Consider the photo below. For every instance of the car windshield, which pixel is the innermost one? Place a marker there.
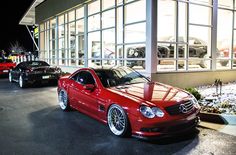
(5, 61)
(37, 63)
(119, 76)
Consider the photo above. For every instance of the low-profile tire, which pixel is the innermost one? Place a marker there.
(22, 82)
(10, 77)
(118, 121)
(63, 100)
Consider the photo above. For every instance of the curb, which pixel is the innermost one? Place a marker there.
(218, 118)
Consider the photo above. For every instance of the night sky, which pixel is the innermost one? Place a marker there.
(11, 13)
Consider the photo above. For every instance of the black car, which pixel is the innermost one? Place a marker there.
(34, 72)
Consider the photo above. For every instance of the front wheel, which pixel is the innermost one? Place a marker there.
(63, 100)
(22, 82)
(118, 121)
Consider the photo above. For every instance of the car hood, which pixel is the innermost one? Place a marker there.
(153, 93)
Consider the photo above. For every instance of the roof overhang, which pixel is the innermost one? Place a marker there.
(29, 16)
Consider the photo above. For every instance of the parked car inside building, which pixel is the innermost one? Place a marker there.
(34, 72)
(197, 49)
(128, 102)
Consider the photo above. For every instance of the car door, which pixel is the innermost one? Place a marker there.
(84, 100)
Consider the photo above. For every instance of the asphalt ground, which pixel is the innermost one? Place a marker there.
(31, 122)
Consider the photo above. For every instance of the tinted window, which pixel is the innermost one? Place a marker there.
(84, 77)
(119, 76)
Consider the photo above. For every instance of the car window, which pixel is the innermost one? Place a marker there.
(84, 77)
(119, 76)
(37, 63)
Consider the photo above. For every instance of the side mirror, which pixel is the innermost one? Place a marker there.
(89, 87)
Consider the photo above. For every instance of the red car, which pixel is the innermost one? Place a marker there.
(129, 102)
(6, 65)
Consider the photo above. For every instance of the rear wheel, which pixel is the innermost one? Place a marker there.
(10, 77)
(63, 100)
(118, 121)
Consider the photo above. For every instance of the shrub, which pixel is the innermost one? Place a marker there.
(194, 92)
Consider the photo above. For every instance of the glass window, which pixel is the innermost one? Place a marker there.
(135, 51)
(182, 22)
(80, 27)
(120, 25)
(84, 77)
(94, 22)
(80, 13)
(72, 16)
(166, 19)
(135, 11)
(107, 4)
(72, 34)
(224, 33)
(199, 14)
(108, 19)
(61, 20)
(94, 7)
(225, 3)
(61, 43)
(53, 23)
(61, 31)
(94, 48)
(72, 57)
(108, 46)
(199, 47)
(202, 1)
(62, 57)
(80, 49)
(135, 33)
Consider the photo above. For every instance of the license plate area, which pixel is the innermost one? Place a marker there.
(5, 71)
(46, 77)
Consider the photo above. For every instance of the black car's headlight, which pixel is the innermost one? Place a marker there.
(151, 112)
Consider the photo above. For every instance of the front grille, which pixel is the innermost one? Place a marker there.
(181, 108)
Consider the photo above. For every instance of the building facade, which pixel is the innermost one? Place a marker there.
(180, 42)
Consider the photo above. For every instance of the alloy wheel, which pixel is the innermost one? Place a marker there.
(62, 97)
(21, 82)
(10, 77)
(117, 120)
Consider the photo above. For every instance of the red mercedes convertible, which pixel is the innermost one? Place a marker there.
(129, 102)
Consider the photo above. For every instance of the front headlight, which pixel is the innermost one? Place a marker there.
(158, 112)
(151, 112)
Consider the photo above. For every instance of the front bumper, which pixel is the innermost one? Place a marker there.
(44, 77)
(163, 127)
